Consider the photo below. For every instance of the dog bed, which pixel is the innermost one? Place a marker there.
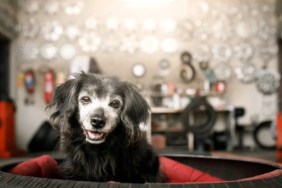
(182, 170)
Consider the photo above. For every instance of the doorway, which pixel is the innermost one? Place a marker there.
(4, 67)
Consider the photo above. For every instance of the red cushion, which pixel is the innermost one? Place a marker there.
(47, 167)
(43, 166)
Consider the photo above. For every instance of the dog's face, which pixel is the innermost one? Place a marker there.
(98, 105)
(99, 114)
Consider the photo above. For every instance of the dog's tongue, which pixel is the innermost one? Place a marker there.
(95, 135)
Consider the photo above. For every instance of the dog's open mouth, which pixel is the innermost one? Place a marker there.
(95, 137)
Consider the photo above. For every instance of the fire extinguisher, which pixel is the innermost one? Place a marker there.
(49, 85)
(29, 83)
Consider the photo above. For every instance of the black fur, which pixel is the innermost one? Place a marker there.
(125, 156)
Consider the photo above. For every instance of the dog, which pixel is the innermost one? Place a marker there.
(98, 119)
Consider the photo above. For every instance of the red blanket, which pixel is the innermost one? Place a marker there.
(45, 166)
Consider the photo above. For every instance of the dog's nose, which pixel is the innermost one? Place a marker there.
(98, 122)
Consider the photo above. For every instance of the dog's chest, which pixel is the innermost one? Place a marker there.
(108, 167)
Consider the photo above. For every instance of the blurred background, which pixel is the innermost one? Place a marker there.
(210, 69)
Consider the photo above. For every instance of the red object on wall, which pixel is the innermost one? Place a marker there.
(279, 137)
(49, 85)
(220, 87)
(7, 129)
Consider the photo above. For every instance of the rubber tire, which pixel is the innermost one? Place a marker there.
(201, 131)
(251, 168)
(258, 128)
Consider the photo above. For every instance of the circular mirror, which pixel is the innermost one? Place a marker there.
(164, 64)
(138, 70)
(268, 82)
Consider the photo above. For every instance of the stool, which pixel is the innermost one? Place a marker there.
(240, 129)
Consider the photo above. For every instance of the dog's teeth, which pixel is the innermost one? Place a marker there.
(95, 135)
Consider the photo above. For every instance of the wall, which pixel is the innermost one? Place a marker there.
(218, 25)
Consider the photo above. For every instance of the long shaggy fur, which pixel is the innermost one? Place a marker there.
(125, 155)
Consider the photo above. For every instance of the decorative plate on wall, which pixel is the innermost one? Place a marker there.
(51, 7)
(67, 51)
(52, 31)
(29, 6)
(246, 28)
(266, 30)
(164, 64)
(72, 7)
(243, 51)
(149, 44)
(221, 28)
(202, 30)
(89, 42)
(202, 52)
(164, 67)
(149, 25)
(138, 70)
(268, 81)
(110, 43)
(129, 44)
(48, 51)
(222, 71)
(129, 25)
(168, 26)
(169, 45)
(72, 31)
(112, 24)
(267, 52)
(27, 51)
(221, 52)
(30, 28)
(246, 72)
(185, 29)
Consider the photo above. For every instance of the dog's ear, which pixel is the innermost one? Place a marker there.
(135, 111)
(63, 104)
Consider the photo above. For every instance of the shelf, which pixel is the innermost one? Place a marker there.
(169, 129)
(164, 110)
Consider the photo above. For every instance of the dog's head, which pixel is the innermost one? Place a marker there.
(98, 105)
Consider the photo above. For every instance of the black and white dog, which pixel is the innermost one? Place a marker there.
(98, 119)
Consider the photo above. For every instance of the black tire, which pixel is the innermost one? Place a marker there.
(263, 126)
(202, 130)
(237, 169)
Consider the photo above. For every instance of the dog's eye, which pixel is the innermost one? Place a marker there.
(85, 100)
(115, 104)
